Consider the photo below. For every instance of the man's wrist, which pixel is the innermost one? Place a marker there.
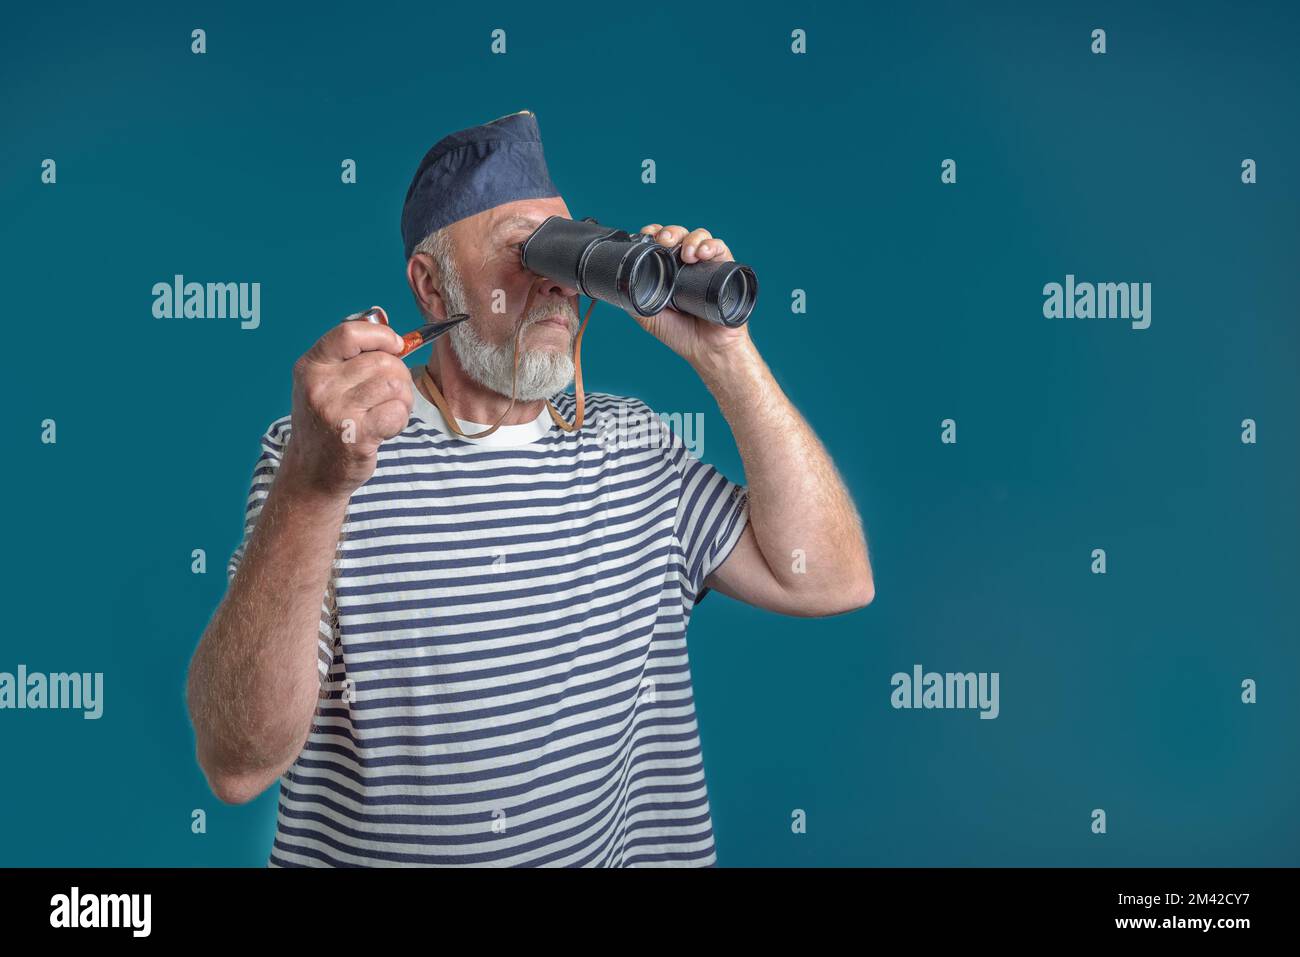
(734, 367)
(295, 487)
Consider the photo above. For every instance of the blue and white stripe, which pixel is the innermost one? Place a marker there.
(505, 678)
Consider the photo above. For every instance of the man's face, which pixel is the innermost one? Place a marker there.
(488, 250)
(494, 285)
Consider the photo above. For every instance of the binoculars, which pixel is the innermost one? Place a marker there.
(637, 274)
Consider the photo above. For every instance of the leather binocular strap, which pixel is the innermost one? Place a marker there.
(434, 395)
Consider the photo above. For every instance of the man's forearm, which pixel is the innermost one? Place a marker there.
(797, 500)
(254, 681)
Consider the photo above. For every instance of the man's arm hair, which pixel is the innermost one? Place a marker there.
(798, 503)
(254, 681)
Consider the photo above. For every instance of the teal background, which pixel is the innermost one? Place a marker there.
(1119, 692)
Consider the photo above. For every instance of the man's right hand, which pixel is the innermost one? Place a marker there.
(351, 392)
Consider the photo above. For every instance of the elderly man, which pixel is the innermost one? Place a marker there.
(454, 644)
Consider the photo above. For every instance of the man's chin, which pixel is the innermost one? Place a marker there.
(536, 384)
(549, 337)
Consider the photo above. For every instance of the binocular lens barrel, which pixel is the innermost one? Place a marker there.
(724, 293)
(637, 274)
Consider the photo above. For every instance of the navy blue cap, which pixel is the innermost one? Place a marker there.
(473, 170)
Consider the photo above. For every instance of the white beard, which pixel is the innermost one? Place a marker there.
(541, 373)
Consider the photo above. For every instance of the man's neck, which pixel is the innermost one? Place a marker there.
(470, 401)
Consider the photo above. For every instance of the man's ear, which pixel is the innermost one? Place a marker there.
(426, 285)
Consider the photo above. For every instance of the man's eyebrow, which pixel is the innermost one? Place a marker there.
(515, 222)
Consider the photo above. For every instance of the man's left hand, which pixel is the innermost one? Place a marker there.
(694, 339)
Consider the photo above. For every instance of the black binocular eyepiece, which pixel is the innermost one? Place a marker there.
(637, 274)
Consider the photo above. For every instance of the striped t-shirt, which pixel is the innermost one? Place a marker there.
(503, 653)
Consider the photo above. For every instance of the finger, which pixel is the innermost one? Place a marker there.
(368, 365)
(349, 339)
(378, 389)
(670, 235)
(386, 420)
(651, 229)
(714, 250)
(691, 244)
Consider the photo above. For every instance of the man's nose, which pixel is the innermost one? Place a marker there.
(548, 286)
